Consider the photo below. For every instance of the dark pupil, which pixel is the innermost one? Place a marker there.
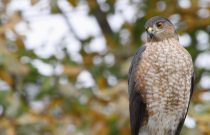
(159, 24)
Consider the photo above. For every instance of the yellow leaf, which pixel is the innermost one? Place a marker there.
(6, 77)
(73, 2)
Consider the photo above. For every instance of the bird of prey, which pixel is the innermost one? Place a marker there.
(160, 82)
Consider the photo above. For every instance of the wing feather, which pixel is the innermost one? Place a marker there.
(136, 105)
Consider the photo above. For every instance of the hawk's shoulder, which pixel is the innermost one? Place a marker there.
(133, 67)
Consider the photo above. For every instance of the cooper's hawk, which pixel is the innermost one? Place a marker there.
(160, 82)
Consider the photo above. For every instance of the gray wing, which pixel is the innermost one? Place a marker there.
(136, 105)
(179, 128)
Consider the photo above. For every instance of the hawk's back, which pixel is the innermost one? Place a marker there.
(163, 77)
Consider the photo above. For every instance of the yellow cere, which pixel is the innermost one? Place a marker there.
(150, 29)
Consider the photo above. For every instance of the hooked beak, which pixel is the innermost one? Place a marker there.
(150, 31)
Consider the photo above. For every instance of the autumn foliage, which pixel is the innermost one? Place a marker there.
(57, 103)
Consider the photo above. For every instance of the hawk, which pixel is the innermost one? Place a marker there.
(160, 82)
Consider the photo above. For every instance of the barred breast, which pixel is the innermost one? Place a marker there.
(165, 72)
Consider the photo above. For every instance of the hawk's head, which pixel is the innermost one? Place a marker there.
(159, 28)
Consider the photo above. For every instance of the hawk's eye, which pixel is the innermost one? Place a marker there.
(159, 24)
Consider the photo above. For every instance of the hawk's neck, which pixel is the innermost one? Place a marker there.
(168, 41)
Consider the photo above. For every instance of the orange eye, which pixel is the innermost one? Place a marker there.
(159, 24)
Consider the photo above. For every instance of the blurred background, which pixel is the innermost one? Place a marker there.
(64, 63)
